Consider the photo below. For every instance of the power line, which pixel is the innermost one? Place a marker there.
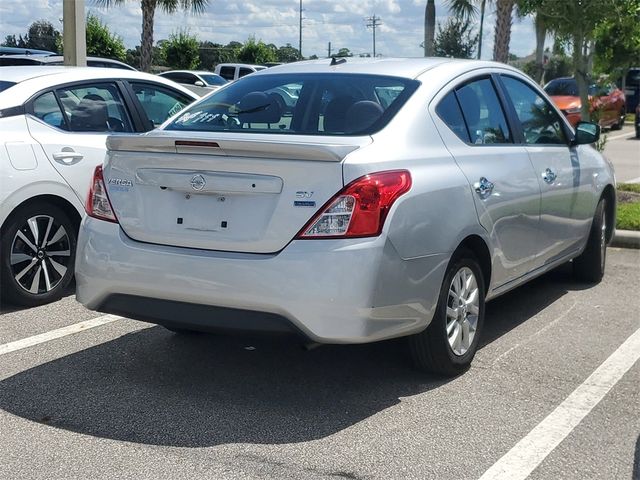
(373, 23)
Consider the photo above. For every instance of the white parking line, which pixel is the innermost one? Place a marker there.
(529, 452)
(622, 135)
(58, 333)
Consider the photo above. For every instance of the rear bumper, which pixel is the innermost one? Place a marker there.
(332, 291)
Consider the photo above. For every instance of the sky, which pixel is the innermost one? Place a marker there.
(343, 23)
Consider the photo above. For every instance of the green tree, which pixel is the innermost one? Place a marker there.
(344, 52)
(41, 36)
(148, 13)
(288, 54)
(467, 11)
(455, 39)
(101, 42)
(578, 21)
(181, 51)
(10, 41)
(256, 52)
(618, 42)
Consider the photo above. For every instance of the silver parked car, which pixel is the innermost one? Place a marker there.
(393, 199)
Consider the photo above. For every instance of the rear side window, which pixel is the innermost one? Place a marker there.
(46, 108)
(244, 71)
(4, 85)
(449, 111)
(227, 72)
(305, 104)
(482, 113)
(95, 108)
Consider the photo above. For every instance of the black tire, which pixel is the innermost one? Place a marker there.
(638, 132)
(51, 275)
(590, 265)
(620, 122)
(430, 349)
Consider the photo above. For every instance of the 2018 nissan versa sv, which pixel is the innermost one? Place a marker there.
(393, 199)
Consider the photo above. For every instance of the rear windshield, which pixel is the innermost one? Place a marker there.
(302, 104)
(213, 79)
(4, 85)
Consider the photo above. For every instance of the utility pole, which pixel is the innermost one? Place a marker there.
(300, 42)
(329, 50)
(374, 22)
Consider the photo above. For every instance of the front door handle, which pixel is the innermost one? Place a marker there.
(483, 187)
(549, 176)
(68, 156)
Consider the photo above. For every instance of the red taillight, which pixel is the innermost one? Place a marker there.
(98, 203)
(360, 208)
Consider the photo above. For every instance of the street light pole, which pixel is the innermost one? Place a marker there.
(300, 40)
(74, 38)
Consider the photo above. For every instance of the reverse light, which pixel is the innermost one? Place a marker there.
(98, 203)
(360, 208)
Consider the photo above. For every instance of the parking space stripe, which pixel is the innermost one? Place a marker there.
(529, 452)
(58, 333)
(622, 135)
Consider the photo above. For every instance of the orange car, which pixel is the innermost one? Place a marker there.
(607, 98)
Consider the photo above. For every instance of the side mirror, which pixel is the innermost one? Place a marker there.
(199, 83)
(586, 133)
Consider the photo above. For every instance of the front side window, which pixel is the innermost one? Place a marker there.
(95, 108)
(482, 112)
(46, 108)
(159, 103)
(540, 123)
(305, 104)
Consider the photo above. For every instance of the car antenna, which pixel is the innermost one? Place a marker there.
(337, 62)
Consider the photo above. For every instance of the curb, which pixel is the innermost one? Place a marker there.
(626, 239)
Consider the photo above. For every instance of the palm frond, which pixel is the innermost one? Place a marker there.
(107, 3)
(463, 9)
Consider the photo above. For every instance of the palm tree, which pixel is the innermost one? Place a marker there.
(504, 12)
(429, 28)
(148, 12)
(466, 10)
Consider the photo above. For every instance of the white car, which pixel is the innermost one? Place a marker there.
(53, 125)
(200, 82)
(234, 71)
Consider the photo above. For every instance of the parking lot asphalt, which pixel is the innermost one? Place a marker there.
(623, 150)
(129, 400)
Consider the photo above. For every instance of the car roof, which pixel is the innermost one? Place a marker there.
(49, 58)
(196, 72)
(396, 67)
(250, 65)
(32, 78)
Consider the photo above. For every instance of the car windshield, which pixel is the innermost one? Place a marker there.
(302, 104)
(4, 85)
(213, 79)
(567, 87)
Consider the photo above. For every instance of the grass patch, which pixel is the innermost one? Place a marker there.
(628, 213)
(629, 187)
(630, 117)
(628, 216)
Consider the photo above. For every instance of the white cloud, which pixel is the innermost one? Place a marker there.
(276, 21)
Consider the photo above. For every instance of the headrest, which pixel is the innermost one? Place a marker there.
(258, 107)
(361, 115)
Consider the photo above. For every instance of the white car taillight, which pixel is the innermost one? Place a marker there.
(360, 208)
(98, 203)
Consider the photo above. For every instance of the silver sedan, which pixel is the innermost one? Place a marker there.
(393, 198)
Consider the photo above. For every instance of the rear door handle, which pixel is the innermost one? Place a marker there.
(549, 176)
(67, 156)
(483, 187)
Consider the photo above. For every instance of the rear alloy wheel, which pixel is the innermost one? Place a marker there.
(449, 343)
(590, 265)
(37, 255)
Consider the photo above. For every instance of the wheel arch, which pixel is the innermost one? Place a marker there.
(476, 245)
(65, 205)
